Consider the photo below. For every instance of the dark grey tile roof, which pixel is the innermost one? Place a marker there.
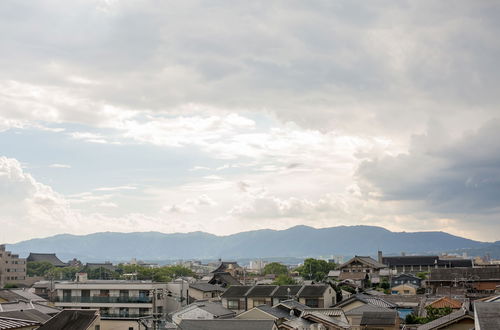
(366, 308)
(230, 324)
(399, 261)
(487, 315)
(12, 323)
(27, 314)
(214, 308)
(262, 291)
(455, 263)
(236, 291)
(206, 287)
(276, 312)
(364, 259)
(485, 274)
(23, 304)
(8, 295)
(322, 318)
(71, 319)
(292, 304)
(450, 318)
(379, 318)
(372, 300)
(283, 292)
(224, 278)
(313, 290)
(49, 257)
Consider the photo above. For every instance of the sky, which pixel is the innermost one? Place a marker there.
(229, 116)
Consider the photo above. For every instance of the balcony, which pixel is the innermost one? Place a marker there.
(106, 300)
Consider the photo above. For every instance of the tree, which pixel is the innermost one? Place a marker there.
(275, 268)
(284, 279)
(38, 268)
(422, 275)
(315, 269)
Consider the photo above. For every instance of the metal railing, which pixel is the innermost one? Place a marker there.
(106, 300)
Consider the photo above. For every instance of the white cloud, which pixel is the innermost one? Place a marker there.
(59, 166)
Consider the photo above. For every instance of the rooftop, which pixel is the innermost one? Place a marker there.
(71, 319)
(229, 324)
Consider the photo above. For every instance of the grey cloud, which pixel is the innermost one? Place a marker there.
(360, 66)
(457, 176)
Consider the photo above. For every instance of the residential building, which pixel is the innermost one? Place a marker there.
(205, 310)
(406, 279)
(244, 297)
(12, 268)
(406, 289)
(205, 291)
(119, 300)
(360, 270)
(388, 320)
(46, 257)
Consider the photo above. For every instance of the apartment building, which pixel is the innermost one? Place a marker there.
(12, 268)
(117, 300)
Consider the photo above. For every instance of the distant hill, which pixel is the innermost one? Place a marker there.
(299, 241)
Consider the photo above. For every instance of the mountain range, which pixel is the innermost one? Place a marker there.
(299, 241)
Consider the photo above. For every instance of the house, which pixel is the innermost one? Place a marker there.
(404, 289)
(445, 302)
(460, 319)
(46, 257)
(360, 299)
(17, 324)
(355, 315)
(230, 324)
(74, 319)
(486, 315)
(204, 291)
(477, 280)
(12, 268)
(244, 297)
(205, 310)
(121, 301)
(360, 269)
(265, 312)
(406, 279)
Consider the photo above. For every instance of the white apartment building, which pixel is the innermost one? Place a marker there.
(12, 268)
(117, 300)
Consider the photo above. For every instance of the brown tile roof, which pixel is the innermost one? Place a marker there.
(446, 302)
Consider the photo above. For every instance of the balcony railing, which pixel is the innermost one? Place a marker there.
(124, 316)
(106, 300)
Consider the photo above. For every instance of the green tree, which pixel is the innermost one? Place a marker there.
(435, 313)
(315, 269)
(275, 268)
(422, 275)
(38, 268)
(284, 279)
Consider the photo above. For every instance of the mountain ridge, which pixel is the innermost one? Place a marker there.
(291, 242)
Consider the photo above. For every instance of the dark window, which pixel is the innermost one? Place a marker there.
(314, 303)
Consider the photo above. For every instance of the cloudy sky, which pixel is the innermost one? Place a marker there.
(227, 116)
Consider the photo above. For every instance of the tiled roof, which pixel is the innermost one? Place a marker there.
(313, 290)
(292, 304)
(9, 295)
(214, 308)
(447, 319)
(364, 259)
(332, 312)
(372, 300)
(472, 274)
(366, 308)
(282, 290)
(236, 291)
(229, 324)
(379, 318)
(322, 318)
(225, 278)
(276, 312)
(49, 257)
(206, 287)
(23, 304)
(446, 302)
(261, 291)
(27, 314)
(12, 323)
(487, 315)
(399, 261)
(71, 319)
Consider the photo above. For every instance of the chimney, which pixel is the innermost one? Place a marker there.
(380, 257)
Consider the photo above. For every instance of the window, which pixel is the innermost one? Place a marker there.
(123, 311)
(97, 327)
(233, 304)
(314, 303)
(258, 302)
